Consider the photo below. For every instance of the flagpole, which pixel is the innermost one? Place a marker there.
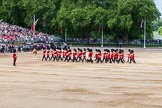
(66, 35)
(144, 46)
(34, 23)
(102, 28)
(102, 36)
(34, 19)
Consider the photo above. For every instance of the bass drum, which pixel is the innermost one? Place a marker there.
(87, 57)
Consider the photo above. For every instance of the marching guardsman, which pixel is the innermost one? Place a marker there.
(121, 56)
(132, 57)
(59, 53)
(98, 56)
(112, 55)
(14, 57)
(44, 54)
(48, 55)
(104, 55)
(89, 55)
(115, 54)
(129, 51)
(68, 56)
(65, 53)
(84, 55)
(79, 56)
(54, 54)
(108, 57)
(74, 55)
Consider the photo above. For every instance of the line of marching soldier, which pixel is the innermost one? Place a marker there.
(87, 55)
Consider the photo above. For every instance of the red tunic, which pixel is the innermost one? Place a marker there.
(55, 53)
(59, 53)
(108, 55)
(104, 54)
(115, 55)
(132, 56)
(69, 54)
(14, 56)
(121, 56)
(80, 54)
(90, 54)
(65, 53)
(84, 53)
(98, 55)
(44, 52)
(74, 54)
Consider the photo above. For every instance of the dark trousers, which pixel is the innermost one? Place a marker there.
(98, 60)
(44, 57)
(74, 59)
(115, 60)
(132, 60)
(108, 60)
(67, 58)
(84, 58)
(89, 60)
(48, 57)
(104, 59)
(121, 60)
(14, 62)
(59, 58)
(54, 58)
(51, 57)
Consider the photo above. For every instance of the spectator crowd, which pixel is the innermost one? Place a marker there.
(10, 33)
(27, 39)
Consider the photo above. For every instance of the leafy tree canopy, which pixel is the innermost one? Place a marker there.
(120, 18)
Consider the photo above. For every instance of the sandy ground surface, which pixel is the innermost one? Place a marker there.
(47, 84)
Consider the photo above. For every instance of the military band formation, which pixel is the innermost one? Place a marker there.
(88, 55)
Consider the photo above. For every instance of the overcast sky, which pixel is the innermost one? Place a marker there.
(159, 5)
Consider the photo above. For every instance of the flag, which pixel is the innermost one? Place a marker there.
(60, 29)
(33, 27)
(34, 24)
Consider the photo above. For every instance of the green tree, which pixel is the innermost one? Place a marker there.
(10, 11)
(43, 10)
(121, 18)
(156, 24)
(127, 15)
(160, 31)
